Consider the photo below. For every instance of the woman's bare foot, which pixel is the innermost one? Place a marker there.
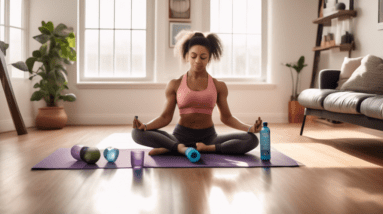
(158, 151)
(201, 147)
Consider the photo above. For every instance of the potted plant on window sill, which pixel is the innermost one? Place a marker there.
(57, 47)
(296, 111)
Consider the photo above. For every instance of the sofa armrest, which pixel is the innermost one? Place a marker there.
(328, 78)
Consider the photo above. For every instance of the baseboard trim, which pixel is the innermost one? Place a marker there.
(125, 119)
(8, 125)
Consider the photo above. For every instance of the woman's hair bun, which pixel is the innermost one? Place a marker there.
(198, 34)
(187, 38)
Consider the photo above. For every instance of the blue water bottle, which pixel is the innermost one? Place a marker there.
(265, 142)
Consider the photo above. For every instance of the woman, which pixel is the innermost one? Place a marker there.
(196, 94)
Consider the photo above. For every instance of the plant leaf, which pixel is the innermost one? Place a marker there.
(62, 30)
(43, 49)
(21, 66)
(36, 85)
(60, 67)
(43, 75)
(73, 54)
(301, 61)
(72, 42)
(30, 63)
(61, 76)
(37, 95)
(69, 97)
(66, 61)
(45, 31)
(42, 38)
(31, 77)
(4, 46)
(49, 26)
(36, 54)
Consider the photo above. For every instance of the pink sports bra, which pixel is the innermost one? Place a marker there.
(190, 101)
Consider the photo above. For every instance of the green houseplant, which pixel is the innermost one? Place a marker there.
(296, 111)
(298, 68)
(57, 47)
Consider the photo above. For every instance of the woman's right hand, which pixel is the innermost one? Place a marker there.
(138, 125)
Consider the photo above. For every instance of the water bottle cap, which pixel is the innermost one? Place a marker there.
(264, 123)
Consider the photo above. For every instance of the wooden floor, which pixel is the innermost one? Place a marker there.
(342, 174)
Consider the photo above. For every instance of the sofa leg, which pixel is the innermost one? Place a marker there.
(303, 123)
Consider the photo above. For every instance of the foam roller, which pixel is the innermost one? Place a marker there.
(192, 154)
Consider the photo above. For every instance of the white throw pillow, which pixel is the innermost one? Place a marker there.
(368, 77)
(348, 67)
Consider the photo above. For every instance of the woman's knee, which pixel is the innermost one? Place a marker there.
(252, 142)
(137, 135)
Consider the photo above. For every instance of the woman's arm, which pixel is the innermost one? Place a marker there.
(235, 123)
(224, 110)
(170, 105)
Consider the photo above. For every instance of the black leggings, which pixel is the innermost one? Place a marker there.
(234, 143)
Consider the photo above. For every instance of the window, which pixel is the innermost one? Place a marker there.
(242, 30)
(13, 32)
(116, 37)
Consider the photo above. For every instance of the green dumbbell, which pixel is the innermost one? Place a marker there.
(87, 154)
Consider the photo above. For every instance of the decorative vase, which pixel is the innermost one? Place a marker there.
(51, 118)
(296, 112)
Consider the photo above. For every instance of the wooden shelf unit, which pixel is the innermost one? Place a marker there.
(341, 14)
(326, 21)
(342, 47)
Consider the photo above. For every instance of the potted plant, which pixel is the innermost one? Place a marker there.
(296, 110)
(57, 47)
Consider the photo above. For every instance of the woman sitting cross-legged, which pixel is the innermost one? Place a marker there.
(196, 93)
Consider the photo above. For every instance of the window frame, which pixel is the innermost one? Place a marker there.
(264, 51)
(24, 36)
(81, 79)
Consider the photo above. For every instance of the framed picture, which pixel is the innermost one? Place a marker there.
(179, 9)
(175, 28)
(380, 15)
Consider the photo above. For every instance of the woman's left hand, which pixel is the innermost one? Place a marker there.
(257, 127)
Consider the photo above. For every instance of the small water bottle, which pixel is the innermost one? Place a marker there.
(265, 142)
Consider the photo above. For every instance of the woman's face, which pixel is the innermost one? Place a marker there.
(198, 57)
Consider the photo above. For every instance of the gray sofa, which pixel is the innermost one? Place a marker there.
(357, 108)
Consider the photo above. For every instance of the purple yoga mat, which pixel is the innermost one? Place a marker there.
(62, 159)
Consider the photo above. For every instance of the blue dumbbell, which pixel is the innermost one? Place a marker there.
(111, 154)
(192, 154)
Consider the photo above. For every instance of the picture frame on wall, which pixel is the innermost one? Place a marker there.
(380, 15)
(179, 9)
(175, 28)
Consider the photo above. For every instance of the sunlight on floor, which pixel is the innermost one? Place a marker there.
(333, 134)
(221, 203)
(321, 156)
(120, 141)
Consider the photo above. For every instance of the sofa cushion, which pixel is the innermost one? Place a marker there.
(345, 102)
(372, 107)
(368, 77)
(348, 67)
(313, 97)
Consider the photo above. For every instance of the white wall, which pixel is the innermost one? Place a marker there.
(368, 39)
(291, 34)
(22, 92)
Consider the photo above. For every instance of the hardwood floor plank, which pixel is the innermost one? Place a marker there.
(342, 174)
